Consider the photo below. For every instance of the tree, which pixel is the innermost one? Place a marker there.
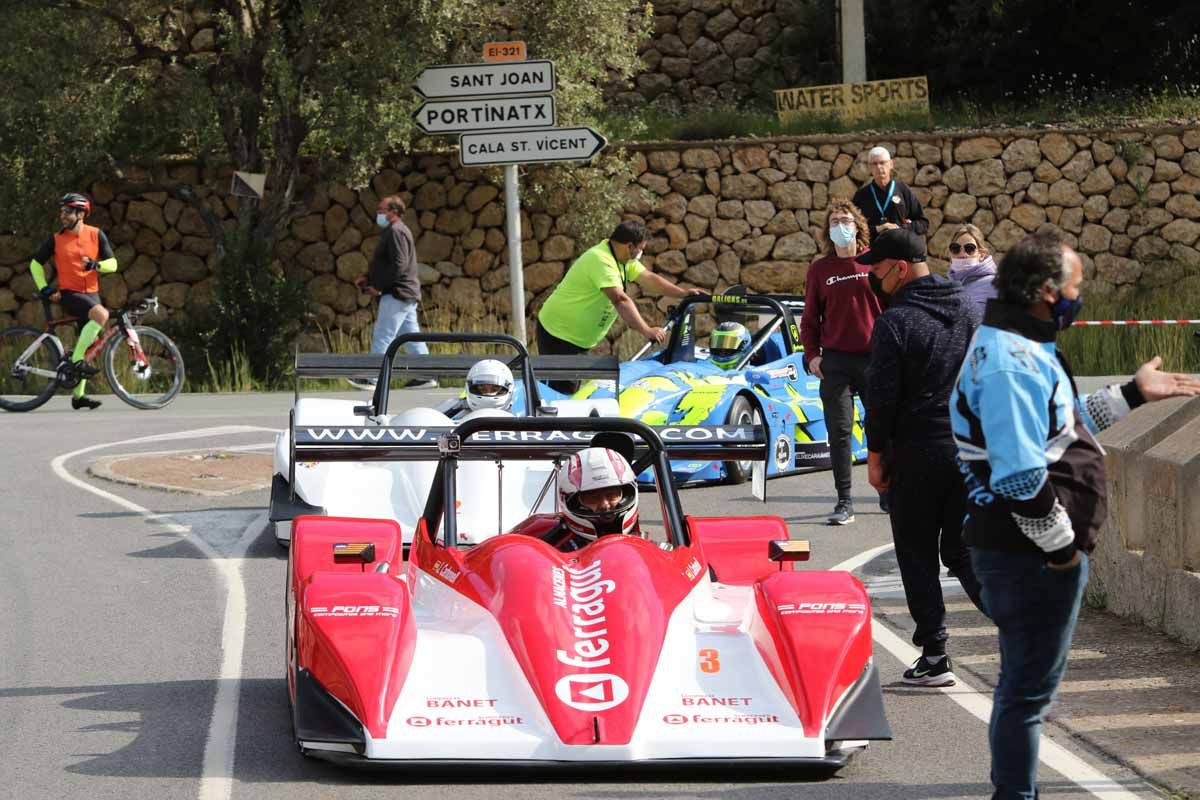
(267, 86)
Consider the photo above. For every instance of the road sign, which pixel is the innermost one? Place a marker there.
(474, 80)
(504, 51)
(530, 147)
(504, 113)
(248, 184)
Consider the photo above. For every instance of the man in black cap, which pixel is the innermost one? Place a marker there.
(917, 347)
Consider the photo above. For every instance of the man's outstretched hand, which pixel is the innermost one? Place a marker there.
(1156, 385)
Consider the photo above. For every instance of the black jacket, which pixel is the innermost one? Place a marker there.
(917, 348)
(393, 267)
(870, 197)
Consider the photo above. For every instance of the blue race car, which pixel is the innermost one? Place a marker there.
(766, 382)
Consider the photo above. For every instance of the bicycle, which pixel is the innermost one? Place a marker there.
(143, 366)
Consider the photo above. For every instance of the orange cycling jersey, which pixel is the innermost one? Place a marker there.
(69, 251)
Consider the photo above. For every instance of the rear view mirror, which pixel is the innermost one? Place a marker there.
(788, 550)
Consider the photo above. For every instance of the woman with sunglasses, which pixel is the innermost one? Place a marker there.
(971, 264)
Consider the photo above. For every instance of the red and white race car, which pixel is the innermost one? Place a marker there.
(706, 647)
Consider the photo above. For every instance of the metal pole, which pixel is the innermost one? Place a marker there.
(854, 42)
(512, 213)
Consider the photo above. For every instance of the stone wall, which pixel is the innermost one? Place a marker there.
(704, 52)
(750, 211)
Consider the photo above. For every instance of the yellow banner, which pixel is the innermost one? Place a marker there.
(854, 100)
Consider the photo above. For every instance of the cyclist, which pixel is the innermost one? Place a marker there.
(727, 343)
(79, 253)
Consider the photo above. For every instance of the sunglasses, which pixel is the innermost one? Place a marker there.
(969, 249)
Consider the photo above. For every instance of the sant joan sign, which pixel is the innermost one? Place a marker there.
(855, 100)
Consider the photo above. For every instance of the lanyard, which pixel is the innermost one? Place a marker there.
(883, 208)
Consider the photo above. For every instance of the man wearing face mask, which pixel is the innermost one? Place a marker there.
(1036, 485)
(579, 312)
(392, 277)
(917, 348)
(839, 313)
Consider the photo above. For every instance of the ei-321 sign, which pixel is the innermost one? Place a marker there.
(529, 147)
(501, 113)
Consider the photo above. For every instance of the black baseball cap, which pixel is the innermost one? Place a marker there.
(898, 244)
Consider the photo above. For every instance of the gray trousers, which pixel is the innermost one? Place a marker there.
(844, 373)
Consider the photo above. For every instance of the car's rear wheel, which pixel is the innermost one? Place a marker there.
(741, 412)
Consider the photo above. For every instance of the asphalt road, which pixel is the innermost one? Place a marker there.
(115, 645)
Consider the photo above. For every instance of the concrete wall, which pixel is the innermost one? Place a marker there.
(1147, 561)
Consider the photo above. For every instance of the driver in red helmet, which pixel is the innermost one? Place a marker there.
(597, 496)
(79, 252)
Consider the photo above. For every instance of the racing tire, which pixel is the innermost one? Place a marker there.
(26, 392)
(742, 411)
(152, 384)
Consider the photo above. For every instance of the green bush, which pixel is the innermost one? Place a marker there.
(246, 337)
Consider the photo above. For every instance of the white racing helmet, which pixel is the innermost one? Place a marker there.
(489, 385)
(588, 471)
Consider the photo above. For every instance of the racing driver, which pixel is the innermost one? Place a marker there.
(489, 386)
(727, 343)
(597, 496)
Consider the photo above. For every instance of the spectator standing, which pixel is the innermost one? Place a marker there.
(971, 264)
(917, 347)
(839, 312)
(392, 277)
(888, 203)
(1036, 485)
(582, 308)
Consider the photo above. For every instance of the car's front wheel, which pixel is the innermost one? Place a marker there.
(741, 412)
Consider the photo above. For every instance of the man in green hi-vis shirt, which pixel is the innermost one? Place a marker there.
(578, 313)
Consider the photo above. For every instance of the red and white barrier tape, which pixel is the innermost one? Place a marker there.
(1138, 322)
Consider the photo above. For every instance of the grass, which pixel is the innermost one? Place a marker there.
(1121, 350)
(1064, 107)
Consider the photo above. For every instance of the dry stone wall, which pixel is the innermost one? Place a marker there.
(704, 52)
(725, 212)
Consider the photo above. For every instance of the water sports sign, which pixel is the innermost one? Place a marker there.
(854, 100)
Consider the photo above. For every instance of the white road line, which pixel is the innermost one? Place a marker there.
(216, 774)
(1050, 753)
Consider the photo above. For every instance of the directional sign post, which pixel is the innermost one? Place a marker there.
(505, 111)
(475, 80)
(502, 113)
(529, 147)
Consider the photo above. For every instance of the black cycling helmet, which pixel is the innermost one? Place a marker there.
(76, 201)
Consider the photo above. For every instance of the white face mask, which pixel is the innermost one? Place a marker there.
(381, 220)
(962, 263)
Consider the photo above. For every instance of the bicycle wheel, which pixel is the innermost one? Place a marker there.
(147, 373)
(28, 367)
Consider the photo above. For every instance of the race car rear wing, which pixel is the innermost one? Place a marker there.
(383, 367)
(399, 443)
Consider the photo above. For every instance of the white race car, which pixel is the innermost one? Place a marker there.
(397, 490)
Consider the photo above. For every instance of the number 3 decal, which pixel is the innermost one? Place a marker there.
(710, 660)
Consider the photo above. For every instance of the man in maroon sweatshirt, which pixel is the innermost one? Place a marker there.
(839, 314)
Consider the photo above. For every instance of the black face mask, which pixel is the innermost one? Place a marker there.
(876, 284)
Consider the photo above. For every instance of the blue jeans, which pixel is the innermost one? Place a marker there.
(1035, 608)
(396, 317)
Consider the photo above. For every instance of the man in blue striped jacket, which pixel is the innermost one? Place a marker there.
(1036, 485)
